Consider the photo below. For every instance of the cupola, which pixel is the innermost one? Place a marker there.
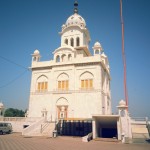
(75, 19)
(36, 56)
(97, 48)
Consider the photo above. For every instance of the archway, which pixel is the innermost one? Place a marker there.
(62, 108)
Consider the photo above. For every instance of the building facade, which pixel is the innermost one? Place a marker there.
(76, 83)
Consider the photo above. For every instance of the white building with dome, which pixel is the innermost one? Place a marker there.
(70, 94)
(76, 83)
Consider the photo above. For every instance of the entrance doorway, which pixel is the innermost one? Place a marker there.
(62, 108)
(109, 132)
(105, 126)
(62, 112)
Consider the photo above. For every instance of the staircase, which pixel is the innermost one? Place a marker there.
(140, 132)
(47, 129)
(40, 128)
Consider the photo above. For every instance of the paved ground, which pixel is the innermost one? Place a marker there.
(16, 141)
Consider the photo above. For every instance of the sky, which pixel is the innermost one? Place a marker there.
(26, 25)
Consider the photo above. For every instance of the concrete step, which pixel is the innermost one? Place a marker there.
(48, 131)
(107, 139)
(141, 140)
(140, 135)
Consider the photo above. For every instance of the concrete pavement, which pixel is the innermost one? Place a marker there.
(16, 141)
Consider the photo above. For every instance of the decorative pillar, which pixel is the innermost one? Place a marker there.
(36, 56)
(125, 124)
(94, 128)
(97, 48)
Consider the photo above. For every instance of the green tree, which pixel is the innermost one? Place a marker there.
(11, 112)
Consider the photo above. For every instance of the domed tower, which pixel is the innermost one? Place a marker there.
(36, 56)
(74, 32)
(97, 48)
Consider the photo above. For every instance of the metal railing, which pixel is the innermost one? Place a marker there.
(138, 118)
(33, 126)
(148, 125)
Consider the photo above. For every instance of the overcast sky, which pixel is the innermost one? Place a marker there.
(26, 25)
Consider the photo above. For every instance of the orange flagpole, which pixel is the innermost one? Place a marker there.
(123, 56)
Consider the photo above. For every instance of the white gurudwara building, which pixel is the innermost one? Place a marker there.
(76, 83)
(70, 94)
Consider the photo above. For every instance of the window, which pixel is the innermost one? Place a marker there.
(42, 86)
(63, 82)
(66, 41)
(34, 58)
(58, 58)
(63, 85)
(63, 57)
(86, 80)
(78, 41)
(87, 84)
(72, 42)
(97, 51)
(69, 57)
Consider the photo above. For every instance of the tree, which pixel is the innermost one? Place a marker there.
(11, 112)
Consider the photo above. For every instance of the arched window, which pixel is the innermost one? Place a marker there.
(63, 57)
(42, 84)
(97, 51)
(66, 41)
(58, 58)
(78, 41)
(72, 42)
(63, 82)
(86, 80)
(69, 57)
(34, 58)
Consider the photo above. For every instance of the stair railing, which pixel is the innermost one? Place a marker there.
(148, 125)
(33, 126)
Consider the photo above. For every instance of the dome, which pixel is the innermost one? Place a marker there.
(36, 52)
(97, 44)
(1, 105)
(75, 19)
(122, 103)
(63, 26)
